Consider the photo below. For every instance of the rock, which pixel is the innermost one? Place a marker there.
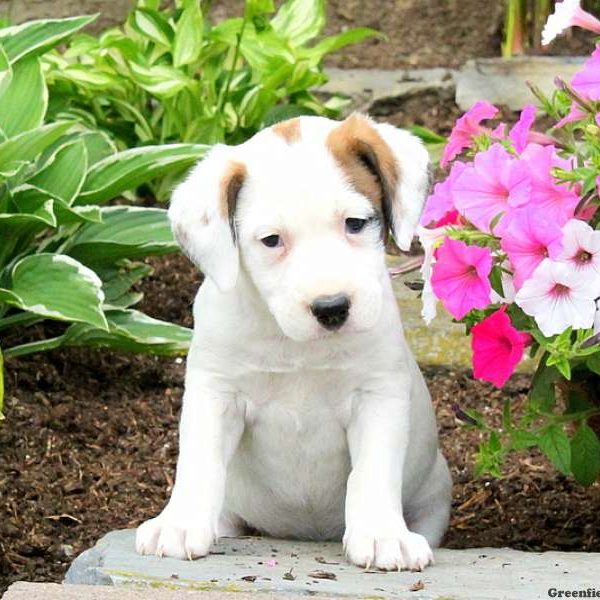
(252, 564)
(504, 82)
(366, 87)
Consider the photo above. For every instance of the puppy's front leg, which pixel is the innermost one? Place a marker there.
(210, 430)
(376, 532)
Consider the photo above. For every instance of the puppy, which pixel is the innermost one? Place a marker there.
(304, 415)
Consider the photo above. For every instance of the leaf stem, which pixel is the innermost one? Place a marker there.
(22, 318)
(236, 54)
(32, 347)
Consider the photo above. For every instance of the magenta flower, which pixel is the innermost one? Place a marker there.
(465, 129)
(440, 202)
(557, 199)
(493, 184)
(568, 13)
(497, 348)
(460, 277)
(587, 81)
(575, 114)
(527, 238)
(519, 134)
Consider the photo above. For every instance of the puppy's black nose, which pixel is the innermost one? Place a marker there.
(331, 311)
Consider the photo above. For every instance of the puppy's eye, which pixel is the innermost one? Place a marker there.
(271, 241)
(354, 225)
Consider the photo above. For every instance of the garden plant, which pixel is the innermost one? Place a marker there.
(169, 75)
(512, 243)
(65, 256)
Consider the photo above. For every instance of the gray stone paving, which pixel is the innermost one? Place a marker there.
(283, 566)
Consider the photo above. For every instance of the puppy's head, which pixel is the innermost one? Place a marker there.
(304, 209)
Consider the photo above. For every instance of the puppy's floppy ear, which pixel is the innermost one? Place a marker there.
(202, 215)
(389, 166)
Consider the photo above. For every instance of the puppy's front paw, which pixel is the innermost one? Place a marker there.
(177, 537)
(387, 550)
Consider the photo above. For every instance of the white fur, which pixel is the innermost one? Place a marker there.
(292, 429)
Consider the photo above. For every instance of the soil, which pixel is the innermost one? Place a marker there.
(90, 442)
(421, 33)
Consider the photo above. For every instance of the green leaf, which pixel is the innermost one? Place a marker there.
(5, 70)
(117, 282)
(27, 146)
(36, 37)
(554, 443)
(188, 35)
(593, 363)
(129, 169)
(57, 287)
(255, 8)
(162, 81)
(523, 439)
(24, 101)
(428, 136)
(151, 24)
(300, 20)
(125, 232)
(585, 455)
(1, 385)
(133, 331)
(542, 392)
(341, 40)
(63, 176)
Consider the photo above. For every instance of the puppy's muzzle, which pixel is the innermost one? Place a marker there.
(331, 311)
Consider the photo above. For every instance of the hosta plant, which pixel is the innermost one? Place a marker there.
(64, 255)
(169, 75)
(512, 250)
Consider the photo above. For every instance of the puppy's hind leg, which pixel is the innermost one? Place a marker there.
(429, 510)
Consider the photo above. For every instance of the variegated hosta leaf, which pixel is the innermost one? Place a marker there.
(36, 37)
(5, 70)
(125, 232)
(24, 100)
(132, 331)
(128, 169)
(117, 281)
(57, 287)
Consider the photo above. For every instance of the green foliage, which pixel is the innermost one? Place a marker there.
(169, 75)
(64, 256)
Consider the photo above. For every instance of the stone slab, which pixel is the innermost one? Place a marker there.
(367, 87)
(475, 574)
(502, 81)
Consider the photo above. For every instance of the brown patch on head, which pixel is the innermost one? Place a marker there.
(231, 184)
(289, 130)
(367, 162)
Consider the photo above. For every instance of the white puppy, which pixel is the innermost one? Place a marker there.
(304, 413)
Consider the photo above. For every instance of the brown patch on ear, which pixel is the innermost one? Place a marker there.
(231, 184)
(367, 162)
(289, 130)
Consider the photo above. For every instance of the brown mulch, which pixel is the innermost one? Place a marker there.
(90, 442)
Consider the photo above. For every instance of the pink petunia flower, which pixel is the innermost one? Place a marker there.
(557, 297)
(460, 277)
(497, 348)
(493, 184)
(465, 129)
(440, 202)
(587, 81)
(527, 238)
(568, 13)
(557, 199)
(581, 249)
(519, 134)
(575, 114)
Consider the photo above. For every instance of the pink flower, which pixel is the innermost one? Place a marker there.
(575, 114)
(465, 129)
(497, 348)
(460, 277)
(556, 199)
(568, 13)
(493, 184)
(440, 202)
(587, 81)
(581, 249)
(557, 297)
(519, 134)
(527, 238)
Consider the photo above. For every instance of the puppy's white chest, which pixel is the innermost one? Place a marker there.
(293, 454)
